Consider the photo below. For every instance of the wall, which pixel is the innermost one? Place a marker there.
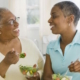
(4, 3)
(33, 34)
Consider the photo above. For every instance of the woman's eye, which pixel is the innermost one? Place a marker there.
(54, 16)
(11, 22)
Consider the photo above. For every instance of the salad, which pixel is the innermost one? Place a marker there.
(28, 70)
(60, 77)
(22, 55)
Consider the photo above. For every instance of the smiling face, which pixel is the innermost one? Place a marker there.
(57, 21)
(9, 28)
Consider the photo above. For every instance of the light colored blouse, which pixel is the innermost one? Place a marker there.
(59, 62)
(33, 56)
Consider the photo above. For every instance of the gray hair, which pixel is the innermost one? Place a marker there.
(69, 8)
(2, 10)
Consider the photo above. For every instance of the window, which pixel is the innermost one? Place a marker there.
(33, 12)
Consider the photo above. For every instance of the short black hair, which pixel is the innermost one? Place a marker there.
(69, 8)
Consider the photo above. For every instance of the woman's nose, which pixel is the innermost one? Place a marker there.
(16, 24)
(49, 21)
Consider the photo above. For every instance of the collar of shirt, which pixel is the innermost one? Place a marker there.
(56, 44)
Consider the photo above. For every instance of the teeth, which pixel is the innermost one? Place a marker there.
(52, 26)
(16, 29)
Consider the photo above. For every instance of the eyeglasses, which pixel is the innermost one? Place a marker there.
(12, 22)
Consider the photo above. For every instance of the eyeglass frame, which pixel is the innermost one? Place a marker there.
(11, 22)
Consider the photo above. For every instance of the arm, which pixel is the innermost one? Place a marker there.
(11, 57)
(47, 75)
(3, 68)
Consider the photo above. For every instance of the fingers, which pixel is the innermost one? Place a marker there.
(35, 77)
(16, 53)
(13, 51)
(75, 67)
(36, 74)
(31, 78)
(12, 57)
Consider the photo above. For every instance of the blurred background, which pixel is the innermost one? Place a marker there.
(34, 15)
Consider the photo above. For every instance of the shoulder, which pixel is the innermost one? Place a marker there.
(52, 44)
(78, 33)
(78, 37)
(26, 40)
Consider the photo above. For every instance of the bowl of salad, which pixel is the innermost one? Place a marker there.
(28, 71)
(61, 77)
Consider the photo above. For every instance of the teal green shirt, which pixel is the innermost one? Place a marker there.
(59, 62)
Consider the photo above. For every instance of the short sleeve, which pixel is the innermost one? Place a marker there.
(47, 50)
(51, 45)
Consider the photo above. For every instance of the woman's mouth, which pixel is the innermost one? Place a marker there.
(16, 30)
(51, 27)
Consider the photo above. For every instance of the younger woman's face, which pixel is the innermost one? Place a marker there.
(58, 21)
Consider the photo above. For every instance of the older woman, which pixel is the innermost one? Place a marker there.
(64, 52)
(11, 46)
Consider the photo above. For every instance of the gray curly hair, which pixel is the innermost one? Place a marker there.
(2, 10)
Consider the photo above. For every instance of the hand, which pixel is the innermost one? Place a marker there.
(75, 67)
(11, 57)
(36, 76)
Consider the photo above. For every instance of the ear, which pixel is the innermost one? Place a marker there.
(70, 19)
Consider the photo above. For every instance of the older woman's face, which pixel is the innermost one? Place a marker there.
(57, 21)
(9, 26)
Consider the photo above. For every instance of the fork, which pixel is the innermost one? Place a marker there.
(66, 72)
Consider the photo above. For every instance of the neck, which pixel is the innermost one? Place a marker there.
(68, 36)
(5, 41)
